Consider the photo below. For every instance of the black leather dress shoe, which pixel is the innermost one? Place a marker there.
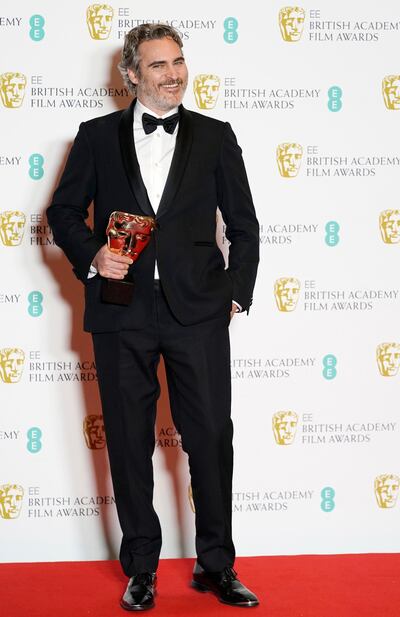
(225, 585)
(139, 595)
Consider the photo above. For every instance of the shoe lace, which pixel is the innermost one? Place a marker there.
(228, 575)
(144, 578)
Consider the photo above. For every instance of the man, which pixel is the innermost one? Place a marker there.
(156, 158)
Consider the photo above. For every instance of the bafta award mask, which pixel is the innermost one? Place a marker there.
(12, 225)
(11, 364)
(11, 496)
(12, 89)
(206, 89)
(389, 223)
(291, 23)
(391, 91)
(284, 424)
(99, 21)
(386, 490)
(93, 430)
(388, 359)
(289, 157)
(287, 291)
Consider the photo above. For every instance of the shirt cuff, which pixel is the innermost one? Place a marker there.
(239, 308)
(92, 272)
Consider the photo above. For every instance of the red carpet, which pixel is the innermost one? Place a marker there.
(300, 586)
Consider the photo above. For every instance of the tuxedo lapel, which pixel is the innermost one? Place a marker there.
(129, 158)
(179, 160)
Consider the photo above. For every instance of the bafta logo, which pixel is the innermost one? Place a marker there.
(289, 157)
(391, 91)
(386, 490)
(93, 430)
(389, 223)
(388, 359)
(284, 425)
(287, 291)
(12, 225)
(99, 20)
(11, 496)
(12, 89)
(206, 89)
(291, 23)
(190, 496)
(11, 364)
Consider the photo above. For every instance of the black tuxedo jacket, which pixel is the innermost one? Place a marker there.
(207, 172)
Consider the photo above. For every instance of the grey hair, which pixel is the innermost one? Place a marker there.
(130, 57)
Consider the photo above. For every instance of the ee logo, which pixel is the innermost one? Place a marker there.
(35, 308)
(230, 30)
(34, 443)
(327, 495)
(332, 233)
(329, 363)
(335, 98)
(36, 23)
(36, 162)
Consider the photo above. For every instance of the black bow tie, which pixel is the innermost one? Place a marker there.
(150, 123)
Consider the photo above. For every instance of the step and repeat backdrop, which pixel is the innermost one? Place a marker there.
(313, 94)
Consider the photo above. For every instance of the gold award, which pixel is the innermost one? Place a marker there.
(287, 291)
(391, 91)
(386, 490)
(12, 225)
(288, 156)
(206, 90)
(11, 496)
(284, 425)
(291, 23)
(388, 359)
(12, 89)
(127, 234)
(11, 364)
(99, 21)
(93, 430)
(389, 223)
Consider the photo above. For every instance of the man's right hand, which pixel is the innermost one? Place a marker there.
(110, 264)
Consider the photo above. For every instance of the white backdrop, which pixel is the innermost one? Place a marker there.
(304, 481)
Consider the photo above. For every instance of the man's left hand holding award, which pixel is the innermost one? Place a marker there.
(127, 236)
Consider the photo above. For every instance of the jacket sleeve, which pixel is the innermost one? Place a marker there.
(69, 207)
(242, 229)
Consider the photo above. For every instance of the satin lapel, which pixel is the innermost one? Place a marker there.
(179, 160)
(130, 161)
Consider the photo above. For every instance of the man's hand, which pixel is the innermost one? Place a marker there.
(110, 264)
(234, 309)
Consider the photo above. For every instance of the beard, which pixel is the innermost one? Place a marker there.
(158, 97)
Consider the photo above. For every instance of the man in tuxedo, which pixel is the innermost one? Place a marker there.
(157, 158)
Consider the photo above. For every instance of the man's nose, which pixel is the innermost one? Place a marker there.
(172, 71)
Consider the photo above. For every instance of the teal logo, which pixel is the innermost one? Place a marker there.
(36, 23)
(327, 495)
(35, 299)
(332, 233)
(34, 443)
(230, 30)
(36, 162)
(335, 98)
(329, 363)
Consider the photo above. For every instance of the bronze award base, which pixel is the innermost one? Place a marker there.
(115, 291)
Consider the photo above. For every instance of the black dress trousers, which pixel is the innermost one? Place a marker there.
(197, 362)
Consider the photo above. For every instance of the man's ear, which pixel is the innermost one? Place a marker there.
(133, 76)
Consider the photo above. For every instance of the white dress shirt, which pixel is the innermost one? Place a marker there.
(154, 153)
